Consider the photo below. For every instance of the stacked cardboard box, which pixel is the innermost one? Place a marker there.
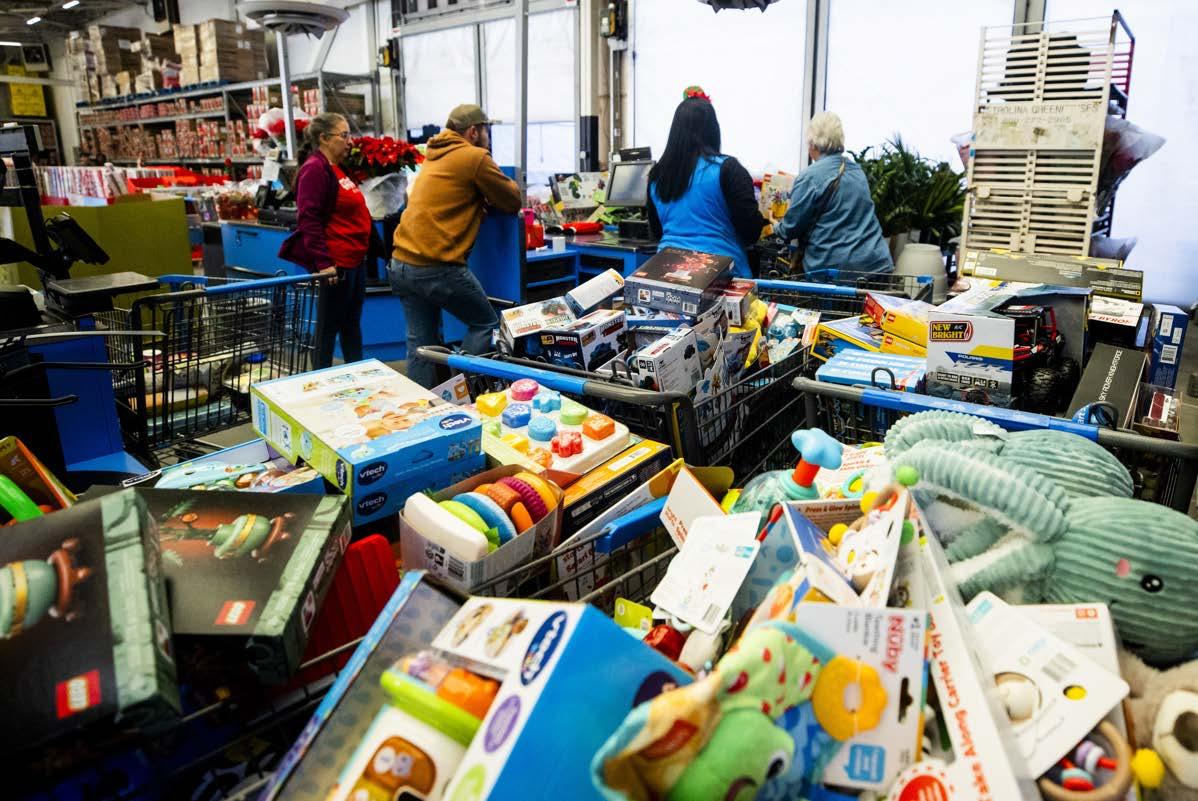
(188, 51)
(113, 48)
(81, 60)
(159, 63)
(228, 51)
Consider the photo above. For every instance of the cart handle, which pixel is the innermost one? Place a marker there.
(237, 286)
(630, 525)
(831, 290)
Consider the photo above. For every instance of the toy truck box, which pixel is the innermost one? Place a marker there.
(85, 622)
(676, 280)
(971, 358)
(247, 572)
(520, 327)
(1168, 335)
(588, 343)
(671, 364)
(377, 436)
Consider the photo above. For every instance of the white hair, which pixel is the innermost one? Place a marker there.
(825, 133)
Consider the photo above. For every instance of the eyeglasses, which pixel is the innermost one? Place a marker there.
(343, 135)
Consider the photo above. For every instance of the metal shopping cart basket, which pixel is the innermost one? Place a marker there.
(1165, 471)
(742, 426)
(218, 337)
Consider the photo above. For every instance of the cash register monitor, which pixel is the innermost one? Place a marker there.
(628, 184)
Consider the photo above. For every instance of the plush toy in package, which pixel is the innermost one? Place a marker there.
(84, 623)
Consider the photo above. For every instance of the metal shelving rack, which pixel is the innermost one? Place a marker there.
(328, 84)
(1043, 95)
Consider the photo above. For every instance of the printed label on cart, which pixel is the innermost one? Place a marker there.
(77, 694)
(235, 613)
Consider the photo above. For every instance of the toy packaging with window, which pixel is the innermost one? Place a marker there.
(676, 280)
(247, 572)
(252, 466)
(971, 358)
(84, 620)
(377, 436)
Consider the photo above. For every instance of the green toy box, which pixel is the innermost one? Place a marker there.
(85, 624)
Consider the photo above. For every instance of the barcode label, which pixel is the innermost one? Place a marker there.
(712, 615)
(1059, 667)
(985, 271)
(1169, 354)
(455, 568)
(690, 308)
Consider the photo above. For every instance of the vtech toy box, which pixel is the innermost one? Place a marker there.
(247, 572)
(676, 280)
(376, 435)
(84, 622)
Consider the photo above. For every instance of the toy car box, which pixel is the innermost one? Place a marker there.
(377, 436)
(1112, 376)
(247, 572)
(588, 343)
(671, 364)
(592, 294)
(85, 622)
(1122, 323)
(252, 466)
(676, 280)
(40, 485)
(971, 358)
(1168, 336)
(421, 553)
(547, 656)
(899, 316)
(863, 368)
(520, 327)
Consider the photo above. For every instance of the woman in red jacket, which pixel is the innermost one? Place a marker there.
(332, 237)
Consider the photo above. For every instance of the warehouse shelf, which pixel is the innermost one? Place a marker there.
(199, 115)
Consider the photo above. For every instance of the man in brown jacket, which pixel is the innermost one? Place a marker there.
(458, 183)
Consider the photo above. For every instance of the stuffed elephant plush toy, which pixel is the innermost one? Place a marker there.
(1046, 517)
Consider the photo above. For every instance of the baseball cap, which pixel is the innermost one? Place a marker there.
(466, 115)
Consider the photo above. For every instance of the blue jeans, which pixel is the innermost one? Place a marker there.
(425, 292)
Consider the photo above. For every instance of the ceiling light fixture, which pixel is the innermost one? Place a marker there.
(33, 20)
(70, 5)
(10, 44)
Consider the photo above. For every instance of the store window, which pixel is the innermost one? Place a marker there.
(750, 63)
(1157, 203)
(893, 69)
(551, 84)
(440, 71)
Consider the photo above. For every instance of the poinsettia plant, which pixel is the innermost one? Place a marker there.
(375, 156)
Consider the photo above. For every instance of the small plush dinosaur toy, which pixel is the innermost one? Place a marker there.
(1048, 534)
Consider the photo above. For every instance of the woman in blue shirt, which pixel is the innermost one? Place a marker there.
(831, 210)
(699, 199)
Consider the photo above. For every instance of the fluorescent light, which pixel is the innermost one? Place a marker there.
(33, 20)
(71, 4)
(10, 44)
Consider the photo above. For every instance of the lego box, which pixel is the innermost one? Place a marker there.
(84, 617)
(586, 344)
(376, 435)
(671, 364)
(676, 280)
(904, 318)
(247, 572)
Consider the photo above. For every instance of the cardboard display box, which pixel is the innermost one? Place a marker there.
(676, 280)
(1168, 335)
(83, 611)
(376, 435)
(247, 572)
(1112, 376)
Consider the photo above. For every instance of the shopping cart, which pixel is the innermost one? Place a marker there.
(218, 336)
(1165, 471)
(742, 426)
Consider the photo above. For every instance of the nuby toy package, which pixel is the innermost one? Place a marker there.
(252, 466)
(677, 280)
(247, 572)
(552, 431)
(84, 621)
(588, 343)
(671, 364)
(376, 435)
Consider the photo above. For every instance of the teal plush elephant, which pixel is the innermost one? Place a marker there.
(1047, 517)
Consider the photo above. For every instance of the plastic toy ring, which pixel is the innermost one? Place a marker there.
(529, 496)
(511, 502)
(541, 487)
(828, 699)
(854, 485)
(491, 513)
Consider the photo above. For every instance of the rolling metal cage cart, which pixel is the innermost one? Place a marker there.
(742, 426)
(1164, 471)
(218, 337)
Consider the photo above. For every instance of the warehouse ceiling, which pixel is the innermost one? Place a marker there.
(56, 21)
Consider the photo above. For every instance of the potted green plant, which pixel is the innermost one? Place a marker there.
(916, 199)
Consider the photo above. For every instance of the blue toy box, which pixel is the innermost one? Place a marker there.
(1168, 334)
(857, 368)
(532, 742)
(370, 431)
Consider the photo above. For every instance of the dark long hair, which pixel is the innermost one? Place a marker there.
(695, 132)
